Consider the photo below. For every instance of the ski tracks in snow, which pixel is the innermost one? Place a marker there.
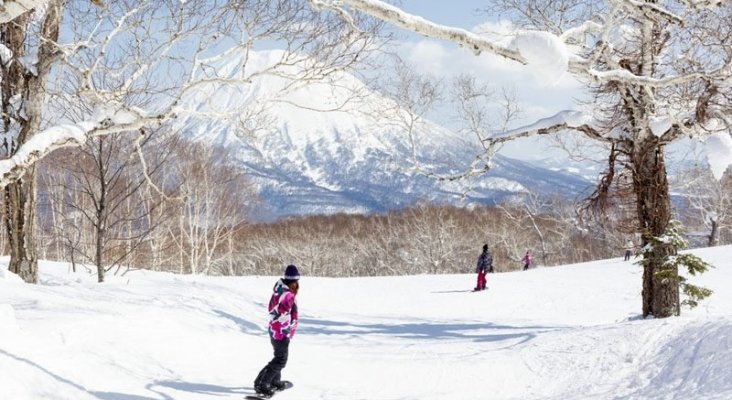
(632, 360)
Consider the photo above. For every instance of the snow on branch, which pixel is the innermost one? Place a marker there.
(65, 135)
(396, 16)
(562, 121)
(625, 76)
(567, 120)
(578, 32)
(701, 4)
(12, 9)
(320, 4)
(718, 147)
(651, 9)
(13, 168)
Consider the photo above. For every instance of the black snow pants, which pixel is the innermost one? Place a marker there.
(272, 371)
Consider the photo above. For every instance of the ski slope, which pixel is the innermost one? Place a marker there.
(569, 332)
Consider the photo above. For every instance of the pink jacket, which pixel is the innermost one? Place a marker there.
(528, 259)
(282, 312)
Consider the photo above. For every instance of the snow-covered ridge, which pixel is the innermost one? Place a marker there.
(350, 160)
(569, 332)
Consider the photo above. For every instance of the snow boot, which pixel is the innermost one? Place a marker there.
(281, 385)
(264, 390)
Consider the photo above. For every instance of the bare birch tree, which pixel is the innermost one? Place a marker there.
(709, 202)
(103, 184)
(213, 204)
(660, 71)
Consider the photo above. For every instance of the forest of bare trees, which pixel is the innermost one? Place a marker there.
(190, 213)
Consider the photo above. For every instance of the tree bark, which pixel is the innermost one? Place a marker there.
(20, 205)
(660, 294)
(99, 252)
(714, 234)
(100, 221)
(29, 87)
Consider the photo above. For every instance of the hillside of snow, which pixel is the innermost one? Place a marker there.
(569, 332)
(355, 159)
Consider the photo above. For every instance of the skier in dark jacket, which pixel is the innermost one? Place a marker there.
(484, 265)
(282, 325)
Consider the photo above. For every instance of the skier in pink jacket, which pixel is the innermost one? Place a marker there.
(527, 260)
(282, 325)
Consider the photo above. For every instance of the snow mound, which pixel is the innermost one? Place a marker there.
(660, 125)
(6, 275)
(718, 147)
(545, 53)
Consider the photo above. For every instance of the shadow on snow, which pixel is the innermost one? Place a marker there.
(427, 330)
(199, 388)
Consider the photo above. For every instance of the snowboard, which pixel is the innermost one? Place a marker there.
(288, 385)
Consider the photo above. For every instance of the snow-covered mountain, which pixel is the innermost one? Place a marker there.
(355, 159)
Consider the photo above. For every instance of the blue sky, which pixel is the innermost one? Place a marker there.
(461, 13)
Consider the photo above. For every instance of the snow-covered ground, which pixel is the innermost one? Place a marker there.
(568, 332)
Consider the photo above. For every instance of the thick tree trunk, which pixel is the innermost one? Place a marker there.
(20, 195)
(20, 203)
(660, 293)
(20, 124)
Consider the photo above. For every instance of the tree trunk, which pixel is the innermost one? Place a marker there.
(98, 254)
(100, 231)
(714, 234)
(20, 205)
(660, 293)
(29, 87)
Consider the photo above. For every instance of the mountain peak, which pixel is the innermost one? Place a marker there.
(353, 158)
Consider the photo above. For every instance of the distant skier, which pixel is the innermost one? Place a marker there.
(527, 260)
(282, 325)
(629, 247)
(484, 265)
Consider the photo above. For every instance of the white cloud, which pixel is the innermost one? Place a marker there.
(539, 98)
(427, 55)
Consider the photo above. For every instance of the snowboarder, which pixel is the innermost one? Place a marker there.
(282, 325)
(485, 265)
(527, 260)
(629, 247)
